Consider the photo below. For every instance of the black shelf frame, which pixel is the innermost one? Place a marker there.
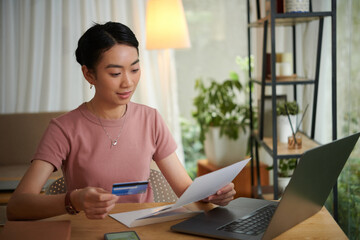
(298, 81)
(288, 20)
(269, 150)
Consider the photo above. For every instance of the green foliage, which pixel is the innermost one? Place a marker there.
(348, 199)
(286, 167)
(193, 148)
(217, 105)
(244, 63)
(351, 119)
(292, 108)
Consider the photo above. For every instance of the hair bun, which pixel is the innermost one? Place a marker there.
(100, 38)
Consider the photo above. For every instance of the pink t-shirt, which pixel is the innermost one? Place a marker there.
(78, 144)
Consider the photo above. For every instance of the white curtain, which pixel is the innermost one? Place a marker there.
(38, 70)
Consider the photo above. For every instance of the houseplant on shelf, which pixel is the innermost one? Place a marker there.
(286, 169)
(286, 120)
(223, 120)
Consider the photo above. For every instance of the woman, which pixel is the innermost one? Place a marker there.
(104, 141)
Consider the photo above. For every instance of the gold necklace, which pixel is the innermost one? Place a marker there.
(113, 142)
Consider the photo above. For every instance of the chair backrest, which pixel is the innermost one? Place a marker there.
(161, 188)
(30, 126)
(56, 187)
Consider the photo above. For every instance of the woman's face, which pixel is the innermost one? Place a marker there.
(117, 75)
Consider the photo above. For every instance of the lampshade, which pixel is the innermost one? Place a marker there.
(166, 25)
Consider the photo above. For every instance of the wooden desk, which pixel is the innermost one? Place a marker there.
(6, 195)
(319, 226)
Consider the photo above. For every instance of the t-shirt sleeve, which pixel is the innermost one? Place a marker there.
(164, 142)
(54, 145)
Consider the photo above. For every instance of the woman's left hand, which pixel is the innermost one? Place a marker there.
(223, 196)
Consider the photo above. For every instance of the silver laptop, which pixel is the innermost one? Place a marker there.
(309, 187)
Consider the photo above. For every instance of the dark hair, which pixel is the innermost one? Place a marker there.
(100, 38)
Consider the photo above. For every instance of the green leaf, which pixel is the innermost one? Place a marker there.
(234, 76)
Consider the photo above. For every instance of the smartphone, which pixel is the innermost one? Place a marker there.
(127, 235)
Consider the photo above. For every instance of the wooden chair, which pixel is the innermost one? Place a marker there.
(161, 188)
(56, 187)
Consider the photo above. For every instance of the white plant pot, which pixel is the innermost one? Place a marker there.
(223, 151)
(284, 127)
(282, 183)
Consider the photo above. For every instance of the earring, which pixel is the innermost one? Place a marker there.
(91, 86)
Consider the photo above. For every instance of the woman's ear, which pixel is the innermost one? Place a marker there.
(89, 75)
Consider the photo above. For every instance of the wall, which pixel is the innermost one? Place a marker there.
(218, 33)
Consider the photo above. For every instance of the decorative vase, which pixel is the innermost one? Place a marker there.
(284, 127)
(223, 151)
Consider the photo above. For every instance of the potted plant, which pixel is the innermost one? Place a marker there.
(223, 119)
(286, 169)
(286, 120)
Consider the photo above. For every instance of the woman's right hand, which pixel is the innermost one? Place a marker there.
(95, 202)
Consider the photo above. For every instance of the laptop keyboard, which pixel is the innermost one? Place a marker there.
(253, 224)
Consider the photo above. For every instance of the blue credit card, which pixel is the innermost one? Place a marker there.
(129, 188)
